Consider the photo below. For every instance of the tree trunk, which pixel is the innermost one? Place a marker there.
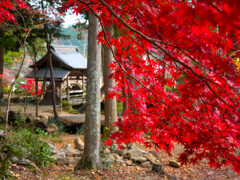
(53, 83)
(14, 82)
(91, 156)
(1, 64)
(110, 104)
(35, 77)
(125, 95)
(1, 71)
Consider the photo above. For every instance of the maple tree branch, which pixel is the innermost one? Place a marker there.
(148, 52)
(207, 112)
(217, 8)
(161, 48)
(199, 63)
(120, 65)
(167, 53)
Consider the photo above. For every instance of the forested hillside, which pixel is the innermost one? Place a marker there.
(76, 37)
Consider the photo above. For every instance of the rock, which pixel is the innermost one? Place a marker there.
(133, 153)
(53, 147)
(61, 154)
(25, 162)
(118, 151)
(74, 154)
(130, 146)
(146, 164)
(116, 157)
(54, 150)
(3, 134)
(44, 119)
(129, 163)
(52, 128)
(67, 160)
(139, 159)
(107, 161)
(124, 146)
(41, 122)
(40, 125)
(66, 146)
(107, 151)
(150, 157)
(79, 144)
(77, 153)
(29, 117)
(120, 162)
(110, 157)
(174, 163)
(66, 149)
(158, 167)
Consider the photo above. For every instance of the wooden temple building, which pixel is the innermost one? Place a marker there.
(69, 72)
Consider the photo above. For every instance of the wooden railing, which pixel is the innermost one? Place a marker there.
(75, 97)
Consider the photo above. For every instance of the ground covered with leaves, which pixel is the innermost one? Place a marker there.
(116, 171)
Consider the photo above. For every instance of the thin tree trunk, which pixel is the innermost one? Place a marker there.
(1, 71)
(125, 102)
(53, 82)
(91, 156)
(35, 77)
(14, 82)
(164, 74)
(110, 104)
(1, 64)
(51, 67)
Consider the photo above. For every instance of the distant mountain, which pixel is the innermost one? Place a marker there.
(77, 37)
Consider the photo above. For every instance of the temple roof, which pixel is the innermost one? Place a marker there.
(66, 60)
(64, 56)
(59, 73)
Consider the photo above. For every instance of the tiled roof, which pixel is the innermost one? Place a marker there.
(58, 73)
(70, 56)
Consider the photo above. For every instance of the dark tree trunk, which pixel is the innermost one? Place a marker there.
(53, 83)
(110, 104)
(1, 64)
(1, 71)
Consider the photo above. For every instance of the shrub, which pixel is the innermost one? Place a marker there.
(24, 144)
(81, 130)
(66, 106)
(61, 127)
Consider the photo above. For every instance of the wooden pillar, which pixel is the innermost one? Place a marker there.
(60, 95)
(36, 89)
(67, 88)
(82, 86)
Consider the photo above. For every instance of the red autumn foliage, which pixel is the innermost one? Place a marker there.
(30, 86)
(7, 77)
(201, 110)
(6, 6)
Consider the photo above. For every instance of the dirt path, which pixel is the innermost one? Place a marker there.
(64, 117)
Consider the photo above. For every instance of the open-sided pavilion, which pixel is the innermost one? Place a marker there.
(69, 72)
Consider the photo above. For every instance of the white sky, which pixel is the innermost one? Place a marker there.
(70, 19)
